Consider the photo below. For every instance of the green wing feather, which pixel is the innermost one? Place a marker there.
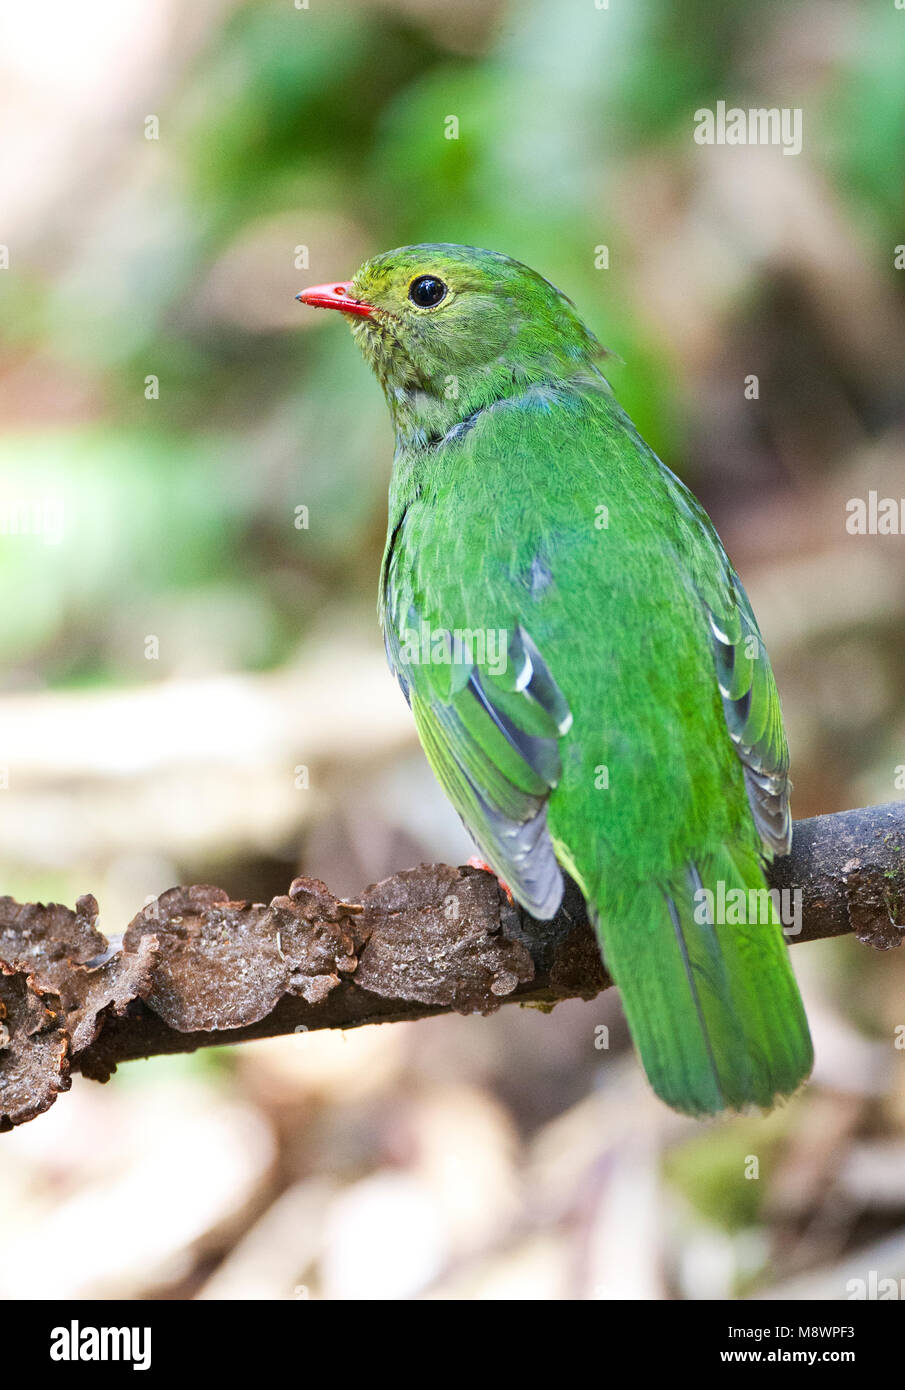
(745, 678)
(492, 739)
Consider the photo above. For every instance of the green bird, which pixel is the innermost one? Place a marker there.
(585, 671)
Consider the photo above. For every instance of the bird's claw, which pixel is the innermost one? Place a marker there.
(475, 862)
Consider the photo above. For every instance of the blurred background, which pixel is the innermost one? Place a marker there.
(193, 473)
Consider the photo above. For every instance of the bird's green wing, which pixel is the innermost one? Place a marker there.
(747, 688)
(490, 724)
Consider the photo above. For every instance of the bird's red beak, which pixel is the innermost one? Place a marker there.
(335, 295)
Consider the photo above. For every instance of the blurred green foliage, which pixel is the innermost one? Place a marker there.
(327, 126)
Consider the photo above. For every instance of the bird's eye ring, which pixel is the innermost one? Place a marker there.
(427, 291)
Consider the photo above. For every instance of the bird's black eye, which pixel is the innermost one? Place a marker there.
(426, 291)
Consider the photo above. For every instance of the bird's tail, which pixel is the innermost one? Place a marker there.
(709, 995)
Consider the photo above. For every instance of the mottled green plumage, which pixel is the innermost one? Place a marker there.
(634, 736)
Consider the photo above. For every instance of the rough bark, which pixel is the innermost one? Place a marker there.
(194, 969)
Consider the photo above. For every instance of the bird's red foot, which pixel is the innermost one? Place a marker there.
(476, 863)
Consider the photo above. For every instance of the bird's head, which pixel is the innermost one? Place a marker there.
(449, 329)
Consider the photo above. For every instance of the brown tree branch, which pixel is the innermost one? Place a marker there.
(194, 969)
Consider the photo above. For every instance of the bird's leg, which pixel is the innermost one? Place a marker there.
(476, 863)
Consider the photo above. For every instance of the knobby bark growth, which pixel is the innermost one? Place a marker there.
(194, 969)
